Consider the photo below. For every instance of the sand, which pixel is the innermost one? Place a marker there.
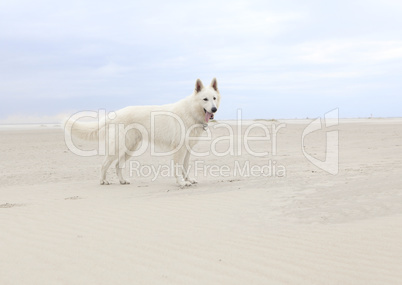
(59, 226)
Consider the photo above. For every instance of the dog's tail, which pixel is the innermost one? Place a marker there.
(84, 130)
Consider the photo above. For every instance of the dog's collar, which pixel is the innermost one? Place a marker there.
(202, 123)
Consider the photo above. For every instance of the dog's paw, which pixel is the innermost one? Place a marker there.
(124, 182)
(191, 180)
(184, 184)
(104, 182)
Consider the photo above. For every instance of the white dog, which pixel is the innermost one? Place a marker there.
(167, 125)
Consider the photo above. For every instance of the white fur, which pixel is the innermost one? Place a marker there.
(166, 131)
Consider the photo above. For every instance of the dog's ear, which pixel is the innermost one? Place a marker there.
(198, 86)
(214, 84)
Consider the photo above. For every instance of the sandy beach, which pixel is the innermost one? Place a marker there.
(296, 225)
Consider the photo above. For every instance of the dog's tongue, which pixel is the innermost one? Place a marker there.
(207, 116)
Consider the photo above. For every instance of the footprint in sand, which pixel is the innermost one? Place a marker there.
(9, 205)
(73, 198)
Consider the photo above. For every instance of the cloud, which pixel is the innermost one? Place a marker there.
(59, 56)
(348, 50)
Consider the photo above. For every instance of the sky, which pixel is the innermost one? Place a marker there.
(272, 59)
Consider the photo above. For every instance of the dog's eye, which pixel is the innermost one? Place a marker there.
(214, 98)
(205, 99)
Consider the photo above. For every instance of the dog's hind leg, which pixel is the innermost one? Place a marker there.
(124, 157)
(121, 162)
(105, 166)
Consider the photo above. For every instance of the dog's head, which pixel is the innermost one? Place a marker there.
(208, 98)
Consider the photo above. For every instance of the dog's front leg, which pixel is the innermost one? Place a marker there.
(186, 169)
(179, 158)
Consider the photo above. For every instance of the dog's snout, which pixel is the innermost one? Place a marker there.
(213, 110)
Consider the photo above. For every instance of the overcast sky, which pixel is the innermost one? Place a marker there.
(272, 59)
